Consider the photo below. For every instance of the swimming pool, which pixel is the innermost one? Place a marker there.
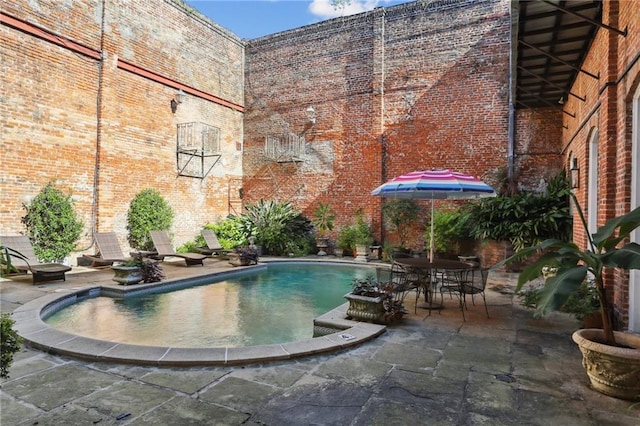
(274, 305)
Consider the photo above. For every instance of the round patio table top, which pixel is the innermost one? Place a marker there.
(424, 263)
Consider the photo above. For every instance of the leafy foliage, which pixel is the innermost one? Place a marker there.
(584, 301)
(323, 218)
(363, 232)
(10, 344)
(229, 232)
(525, 218)
(449, 227)
(148, 211)
(369, 287)
(151, 270)
(276, 226)
(399, 215)
(347, 237)
(52, 225)
(575, 264)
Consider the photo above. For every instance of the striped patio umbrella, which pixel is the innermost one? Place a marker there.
(437, 184)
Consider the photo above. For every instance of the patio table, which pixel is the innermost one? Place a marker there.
(425, 273)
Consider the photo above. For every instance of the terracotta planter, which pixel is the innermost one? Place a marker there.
(126, 275)
(612, 370)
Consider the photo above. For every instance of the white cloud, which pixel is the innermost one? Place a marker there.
(324, 10)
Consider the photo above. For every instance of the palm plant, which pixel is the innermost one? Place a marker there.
(323, 218)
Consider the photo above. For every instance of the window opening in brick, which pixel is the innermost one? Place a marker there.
(198, 149)
(287, 148)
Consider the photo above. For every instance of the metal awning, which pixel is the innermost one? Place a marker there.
(553, 39)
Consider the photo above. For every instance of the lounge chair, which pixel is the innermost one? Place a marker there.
(109, 250)
(24, 259)
(164, 248)
(213, 247)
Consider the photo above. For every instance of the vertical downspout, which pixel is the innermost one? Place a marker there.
(96, 167)
(383, 159)
(513, 30)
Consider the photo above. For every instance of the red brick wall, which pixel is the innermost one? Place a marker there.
(394, 90)
(52, 130)
(607, 109)
(538, 145)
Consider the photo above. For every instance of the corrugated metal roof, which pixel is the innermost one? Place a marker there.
(553, 39)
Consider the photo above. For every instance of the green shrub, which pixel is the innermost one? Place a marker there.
(10, 344)
(363, 232)
(148, 211)
(347, 237)
(52, 225)
(525, 219)
(276, 226)
(449, 228)
(229, 232)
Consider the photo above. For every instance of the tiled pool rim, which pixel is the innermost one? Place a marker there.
(37, 334)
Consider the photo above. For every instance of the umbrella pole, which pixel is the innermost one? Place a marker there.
(431, 244)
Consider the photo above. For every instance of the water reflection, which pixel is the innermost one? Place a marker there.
(272, 306)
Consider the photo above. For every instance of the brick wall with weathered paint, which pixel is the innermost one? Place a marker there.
(397, 89)
(52, 130)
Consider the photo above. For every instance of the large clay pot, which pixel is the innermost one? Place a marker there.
(612, 370)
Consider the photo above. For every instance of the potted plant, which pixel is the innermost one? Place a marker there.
(363, 238)
(611, 358)
(346, 240)
(244, 256)
(371, 303)
(136, 270)
(323, 220)
(128, 272)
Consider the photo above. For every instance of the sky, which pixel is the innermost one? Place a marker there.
(250, 19)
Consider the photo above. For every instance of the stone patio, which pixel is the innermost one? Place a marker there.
(504, 370)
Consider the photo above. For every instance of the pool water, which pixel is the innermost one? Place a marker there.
(274, 305)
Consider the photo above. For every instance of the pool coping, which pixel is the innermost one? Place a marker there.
(38, 334)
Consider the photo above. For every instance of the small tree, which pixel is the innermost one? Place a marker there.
(10, 344)
(52, 225)
(399, 215)
(148, 211)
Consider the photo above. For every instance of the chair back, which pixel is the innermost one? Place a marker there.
(22, 245)
(476, 281)
(211, 239)
(162, 243)
(108, 245)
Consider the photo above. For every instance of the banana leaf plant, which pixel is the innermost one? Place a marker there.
(605, 249)
(6, 253)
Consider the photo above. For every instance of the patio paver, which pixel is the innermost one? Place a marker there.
(508, 369)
